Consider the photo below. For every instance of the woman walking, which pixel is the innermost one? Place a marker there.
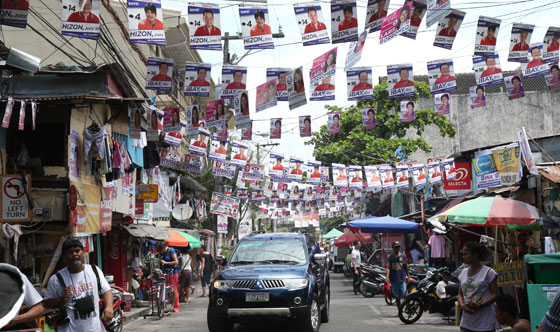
(185, 276)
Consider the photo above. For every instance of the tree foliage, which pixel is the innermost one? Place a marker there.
(354, 145)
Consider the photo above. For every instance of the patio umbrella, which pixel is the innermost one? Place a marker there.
(332, 234)
(181, 239)
(385, 224)
(348, 238)
(492, 212)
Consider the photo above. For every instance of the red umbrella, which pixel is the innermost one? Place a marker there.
(348, 238)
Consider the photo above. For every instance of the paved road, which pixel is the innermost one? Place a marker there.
(349, 313)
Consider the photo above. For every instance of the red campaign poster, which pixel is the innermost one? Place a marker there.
(463, 177)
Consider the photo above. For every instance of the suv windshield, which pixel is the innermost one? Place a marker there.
(268, 251)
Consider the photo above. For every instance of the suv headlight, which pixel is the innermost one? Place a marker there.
(295, 283)
(223, 284)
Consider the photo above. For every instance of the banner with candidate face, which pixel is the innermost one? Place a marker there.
(535, 65)
(225, 205)
(441, 101)
(276, 128)
(171, 120)
(266, 95)
(359, 85)
(234, 78)
(204, 26)
(145, 22)
(551, 45)
(218, 149)
(305, 126)
(80, 18)
(135, 124)
(434, 172)
(368, 118)
(486, 36)
(321, 74)
(241, 106)
(487, 70)
(355, 51)
(387, 179)
(373, 179)
(402, 176)
(170, 158)
(447, 28)
(313, 172)
(407, 110)
(340, 175)
(253, 172)
(196, 79)
(296, 88)
(255, 27)
(325, 176)
(441, 76)
(344, 24)
(418, 175)
(193, 117)
(247, 132)
(333, 123)
(400, 80)
(159, 71)
(355, 179)
(296, 169)
(519, 42)
(194, 163)
(437, 9)
(224, 169)
(418, 12)
(277, 168)
(376, 12)
(280, 74)
(239, 153)
(553, 79)
(323, 89)
(514, 86)
(198, 145)
(14, 13)
(396, 23)
(215, 113)
(152, 133)
(477, 96)
(448, 168)
(311, 24)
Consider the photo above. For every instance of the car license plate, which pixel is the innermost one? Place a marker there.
(257, 297)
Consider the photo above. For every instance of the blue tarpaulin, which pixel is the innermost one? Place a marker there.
(385, 224)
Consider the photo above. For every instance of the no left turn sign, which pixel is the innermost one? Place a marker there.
(15, 206)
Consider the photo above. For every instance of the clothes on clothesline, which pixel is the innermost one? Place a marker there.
(437, 243)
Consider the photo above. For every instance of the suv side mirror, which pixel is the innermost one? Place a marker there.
(319, 258)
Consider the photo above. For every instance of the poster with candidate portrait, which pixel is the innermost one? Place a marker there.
(434, 172)
(519, 42)
(441, 101)
(145, 22)
(447, 28)
(171, 119)
(277, 167)
(215, 114)
(376, 12)
(313, 172)
(359, 85)
(296, 169)
(266, 95)
(340, 175)
(486, 35)
(305, 126)
(241, 107)
(355, 51)
(402, 176)
(368, 118)
(437, 9)
(325, 175)
(551, 45)
(80, 18)
(239, 153)
(333, 123)
(323, 90)
(204, 26)
(14, 13)
(224, 205)
(419, 175)
(281, 75)
(418, 12)
(234, 80)
(355, 177)
(373, 179)
(152, 133)
(198, 145)
(253, 172)
(193, 116)
(535, 66)
(158, 76)
(197, 82)
(170, 158)
(396, 23)
(441, 76)
(387, 179)
(135, 124)
(514, 86)
(218, 149)
(247, 132)
(400, 80)
(296, 88)
(257, 195)
(276, 128)
(407, 110)
(255, 27)
(194, 163)
(487, 70)
(322, 74)
(553, 79)
(344, 24)
(448, 168)
(312, 27)
(477, 96)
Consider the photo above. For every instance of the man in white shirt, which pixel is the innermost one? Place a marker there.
(356, 263)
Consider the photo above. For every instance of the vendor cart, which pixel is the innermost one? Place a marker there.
(543, 284)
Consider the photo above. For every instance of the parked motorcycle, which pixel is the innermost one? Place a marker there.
(371, 280)
(386, 289)
(116, 324)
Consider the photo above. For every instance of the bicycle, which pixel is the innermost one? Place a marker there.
(164, 293)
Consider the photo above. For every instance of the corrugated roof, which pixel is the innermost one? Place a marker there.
(552, 173)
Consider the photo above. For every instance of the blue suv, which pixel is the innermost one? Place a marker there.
(272, 275)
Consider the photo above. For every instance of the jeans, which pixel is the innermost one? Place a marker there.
(355, 281)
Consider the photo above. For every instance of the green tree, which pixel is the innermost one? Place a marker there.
(354, 145)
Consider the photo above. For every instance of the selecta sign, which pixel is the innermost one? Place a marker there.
(463, 178)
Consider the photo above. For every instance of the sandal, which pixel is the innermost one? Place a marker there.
(192, 290)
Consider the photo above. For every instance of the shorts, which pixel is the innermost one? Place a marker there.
(205, 280)
(185, 278)
(398, 289)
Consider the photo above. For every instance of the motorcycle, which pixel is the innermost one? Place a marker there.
(425, 298)
(371, 280)
(116, 324)
(386, 289)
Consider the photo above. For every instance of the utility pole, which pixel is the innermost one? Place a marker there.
(272, 221)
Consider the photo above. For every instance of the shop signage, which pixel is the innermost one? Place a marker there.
(462, 179)
(509, 274)
(15, 205)
(147, 192)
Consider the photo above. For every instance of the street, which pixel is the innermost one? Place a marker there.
(348, 312)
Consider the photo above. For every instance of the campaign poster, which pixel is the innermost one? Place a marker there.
(296, 169)
(198, 145)
(477, 96)
(158, 76)
(355, 51)
(437, 9)
(218, 149)
(535, 65)
(340, 176)
(419, 175)
(175, 138)
(239, 153)
(514, 86)
(376, 12)
(152, 133)
(441, 101)
(402, 176)
(277, 167)
(553, 79)
(224, 169)
(448, 168)
(407, 110)
(204, 26)
(215, 114)
(255, 27)
(266, 95)
(276, 128)
(257, 195)
(359, 85)
(396, 23)
(418, 12)
(309, 194)
(311, 24)
(193, 117)
(387, 179)
(486, 34)
(194, 163)
(333, 123)
(447, 28)
(526, 151)
(196, 79)
(344, 24)
(225, 205)
(321, 75)
(222, 224)
(519, 42)
(171, 119)
(325, 177)
(355, 177)
(170, 158)
(234, 78)
(487, 70)
(296, 191)
(80, 18)
(296, 88)
(14, 13)
(434, 172)
(241, 107)
(247, 132)
(281, 75)
(253, 172)
(313, 172)
(305, 126)
(373, 179)
(145, 22)
(368, 118)
(551, 45)
(400, 80)
(135, 125)
(441, 76)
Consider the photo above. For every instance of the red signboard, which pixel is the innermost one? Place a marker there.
(463, 177)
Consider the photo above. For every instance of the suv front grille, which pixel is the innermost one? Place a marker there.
(273, 283)
(243, 283)
(268, 283)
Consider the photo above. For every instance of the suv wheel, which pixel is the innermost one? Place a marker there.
(327, 307)
(311, 321)
(218, 324)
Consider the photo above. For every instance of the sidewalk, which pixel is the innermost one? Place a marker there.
(135, 313)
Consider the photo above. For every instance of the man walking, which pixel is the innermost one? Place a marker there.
(206, 268)
(397, 273)
(356, 265)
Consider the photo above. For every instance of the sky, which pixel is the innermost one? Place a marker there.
(400, 50)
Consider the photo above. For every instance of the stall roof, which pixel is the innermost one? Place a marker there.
(551, 173)
(553, 258)
(145, 230)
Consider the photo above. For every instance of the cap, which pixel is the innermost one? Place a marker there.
(396, 244)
